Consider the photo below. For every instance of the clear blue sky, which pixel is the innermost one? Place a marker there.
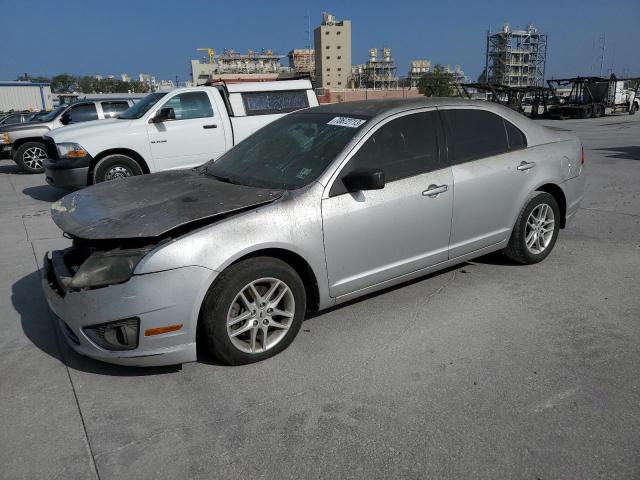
(42, 37)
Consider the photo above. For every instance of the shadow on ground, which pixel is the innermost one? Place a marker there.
(39, 326)
(11, 168)
(626, 153)
(45, 193)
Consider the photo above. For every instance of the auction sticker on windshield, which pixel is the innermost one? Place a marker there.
(346, 122)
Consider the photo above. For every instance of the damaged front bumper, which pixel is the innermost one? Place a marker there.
(157, 299)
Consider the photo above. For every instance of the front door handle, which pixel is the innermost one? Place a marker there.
(526, 166)
(210, 126)
(434, 190)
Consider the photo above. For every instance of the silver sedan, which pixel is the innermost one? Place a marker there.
(317, 208)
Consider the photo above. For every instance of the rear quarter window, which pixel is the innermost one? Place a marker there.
(515, 137)
(266, 103)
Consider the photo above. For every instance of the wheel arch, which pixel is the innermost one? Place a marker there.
(556, 192)
(21, 141)
(295, 261)
(120, 151)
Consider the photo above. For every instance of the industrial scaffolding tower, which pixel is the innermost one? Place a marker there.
(516, 58)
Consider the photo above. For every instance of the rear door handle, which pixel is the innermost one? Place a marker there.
(434, 190)
(210, 126)
(526, 166)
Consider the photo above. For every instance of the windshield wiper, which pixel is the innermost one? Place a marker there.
(222, 179)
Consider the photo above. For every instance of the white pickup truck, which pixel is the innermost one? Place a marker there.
(183, 128)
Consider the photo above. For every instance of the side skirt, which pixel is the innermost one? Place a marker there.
(423, 271)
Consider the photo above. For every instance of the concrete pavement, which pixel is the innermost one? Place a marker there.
(487, 370)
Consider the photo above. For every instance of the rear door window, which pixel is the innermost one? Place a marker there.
(473, 134)
(401, 148)
(190, 105)
(113, 109)
(265, 103)
(83, 113)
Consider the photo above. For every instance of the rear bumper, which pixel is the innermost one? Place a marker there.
(63, 175)
(574, 193)
(157, 299)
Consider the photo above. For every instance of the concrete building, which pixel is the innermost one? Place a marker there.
(332, 42)
(231, 64)
(302, 61)
(516, 58)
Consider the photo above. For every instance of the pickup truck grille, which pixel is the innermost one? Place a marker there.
(50, 146)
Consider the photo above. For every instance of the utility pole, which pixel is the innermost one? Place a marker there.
(308, 18)
(602, 51)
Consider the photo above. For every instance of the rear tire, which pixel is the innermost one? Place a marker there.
(30, 157)
(598, 111)
(586, 112)
(633, 109)
(114, 167)
(536, 230)
(233, 320)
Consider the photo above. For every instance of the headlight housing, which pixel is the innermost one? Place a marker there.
(71, 150)
(4, 138)
(107, 268)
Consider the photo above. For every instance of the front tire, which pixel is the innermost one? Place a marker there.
(253, 311)
(536, 230)
(30, 157)
(115, 167)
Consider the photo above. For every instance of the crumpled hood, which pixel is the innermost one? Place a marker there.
(74, 133)
(152, 205)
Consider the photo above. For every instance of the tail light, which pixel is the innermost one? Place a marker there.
(582, 156)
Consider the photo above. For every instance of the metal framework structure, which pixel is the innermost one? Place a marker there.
(377, 73)
(516, 58)
(231, 61)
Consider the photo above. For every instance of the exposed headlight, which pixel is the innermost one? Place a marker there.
(71, 150)
(4, 138)
(120, 335)
(107, 268)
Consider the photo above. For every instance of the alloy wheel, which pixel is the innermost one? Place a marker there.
(33, 157)
(539, 229)
(260, 315)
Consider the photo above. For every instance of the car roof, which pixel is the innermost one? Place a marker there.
(372, 108)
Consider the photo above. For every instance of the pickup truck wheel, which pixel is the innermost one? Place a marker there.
(633, 109)
(253, 311)
(114, 167)
(30, 157)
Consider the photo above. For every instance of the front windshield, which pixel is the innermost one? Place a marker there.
(52, 114)
(142, 107)
(288, 153)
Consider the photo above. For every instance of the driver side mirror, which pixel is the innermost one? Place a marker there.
(164, 114)
(364, 180)
(65, 118)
